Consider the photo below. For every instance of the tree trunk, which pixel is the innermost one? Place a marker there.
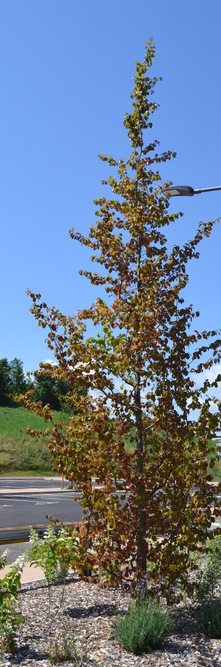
(141, 510)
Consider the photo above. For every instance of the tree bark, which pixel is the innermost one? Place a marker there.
(141, 510)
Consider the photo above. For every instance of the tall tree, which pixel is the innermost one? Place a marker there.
(18, 380)
(5, 381)
(45, 390)
(12, 380)
(144, 433)
(52, 390)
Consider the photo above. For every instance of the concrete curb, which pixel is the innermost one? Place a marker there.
(22, 533)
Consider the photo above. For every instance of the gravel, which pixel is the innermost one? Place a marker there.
(87, 612)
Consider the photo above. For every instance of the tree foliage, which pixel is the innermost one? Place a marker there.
(152, 505)
(12, 380)
(18, 379)
(48, 390)
(44, 387)
(54, 391)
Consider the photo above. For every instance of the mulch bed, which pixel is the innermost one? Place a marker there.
(88, 611)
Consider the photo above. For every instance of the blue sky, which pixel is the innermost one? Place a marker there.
(66, 72)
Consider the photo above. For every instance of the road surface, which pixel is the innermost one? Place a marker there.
(28, 509)
(20, 506)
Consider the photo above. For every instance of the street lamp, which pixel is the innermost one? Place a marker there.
(187, 190)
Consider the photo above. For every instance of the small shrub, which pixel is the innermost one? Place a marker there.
(144, 628)
(209, 575)
(63, 648)
(10, 618)
(55, 554)
(209, 618)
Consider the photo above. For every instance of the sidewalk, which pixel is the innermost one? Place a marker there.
(32, 490)
(29, 574)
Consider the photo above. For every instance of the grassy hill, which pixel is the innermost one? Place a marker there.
(22, 455)
(19, 453)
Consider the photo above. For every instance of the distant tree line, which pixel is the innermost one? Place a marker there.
(12, 380)
(47, 389)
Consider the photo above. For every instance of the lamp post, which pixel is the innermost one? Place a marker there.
(187, 190)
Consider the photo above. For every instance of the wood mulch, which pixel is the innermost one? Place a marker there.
(88, 611)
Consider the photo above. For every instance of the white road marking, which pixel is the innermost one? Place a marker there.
(45, 502)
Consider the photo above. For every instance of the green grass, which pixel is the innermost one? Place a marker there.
(12, 420)
(216, 472)
(19, 453)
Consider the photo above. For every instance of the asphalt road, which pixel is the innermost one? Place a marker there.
(14, 551)
(29, 509)
(23, 508)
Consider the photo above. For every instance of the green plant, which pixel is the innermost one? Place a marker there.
(54, 553)
(209, 572)
(209, 618)
(208, 586)
(10, 618)
(63, 648)
(144, 628)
